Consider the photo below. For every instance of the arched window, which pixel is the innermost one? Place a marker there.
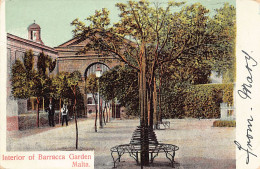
(90, 111)
(90, 100)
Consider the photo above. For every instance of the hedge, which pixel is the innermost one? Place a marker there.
(224, 123)
(203, 101)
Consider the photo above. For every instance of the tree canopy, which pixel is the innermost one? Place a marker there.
(189, 41)
(148, 36)
(121, 83)
(22, 72)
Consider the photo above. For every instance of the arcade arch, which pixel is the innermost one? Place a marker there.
(71, 60)
(94, 68)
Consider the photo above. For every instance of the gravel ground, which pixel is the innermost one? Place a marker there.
(201, 145)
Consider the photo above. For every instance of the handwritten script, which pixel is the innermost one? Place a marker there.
(245, 93)
(248, 150)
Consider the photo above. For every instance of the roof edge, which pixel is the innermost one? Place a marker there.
(9, 35)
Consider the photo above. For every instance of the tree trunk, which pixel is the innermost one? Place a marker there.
(43, 104)
(155, 101)
(86, 111)
(113, 108)
(38, 112)
(106, 107)
(109, 112)
(96, 112)
(96, 119)
(143, 109)
(60, 111)
(32, 103)
(159, 117)
(75, 115)
(77, 134)
(100, 115)
(103, 113)
(151, 101)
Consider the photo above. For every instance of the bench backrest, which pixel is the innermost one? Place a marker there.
(138, 137)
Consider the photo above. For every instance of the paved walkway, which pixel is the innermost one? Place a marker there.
(201, 145)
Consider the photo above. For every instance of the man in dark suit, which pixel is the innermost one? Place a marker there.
(64, 112)
(51, 111)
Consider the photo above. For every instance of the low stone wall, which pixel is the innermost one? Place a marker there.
(28, 121)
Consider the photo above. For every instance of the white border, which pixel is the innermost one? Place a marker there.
(248, 40)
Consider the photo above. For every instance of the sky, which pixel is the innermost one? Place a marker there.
(55, 16)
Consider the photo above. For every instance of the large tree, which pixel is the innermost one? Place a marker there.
(186, 72)
(146, 37)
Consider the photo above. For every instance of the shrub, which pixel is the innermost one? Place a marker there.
(224, 123)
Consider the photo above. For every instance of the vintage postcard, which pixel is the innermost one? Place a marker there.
(130, 84)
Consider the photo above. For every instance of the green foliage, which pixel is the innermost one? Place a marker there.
(29, 82)
(40, 85)
(74, 78)
(20, 84)
(204, 100)
(80, 107)
(92, 84)
(224, 123)
(100, 19)
(63, 83)
(228, 96)
(73, 81)
(188, 36)
(121, 83)
(173, 96)
(45, 62)
(61, 87)
(223, 25)
(108, 84)
(189, 43)
(195, 67)
(22, 76)
(42, 63)
(197, 101)
(28, 61)
(51, 64)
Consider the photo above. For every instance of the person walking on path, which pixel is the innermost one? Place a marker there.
(51, 111)
(64, 114)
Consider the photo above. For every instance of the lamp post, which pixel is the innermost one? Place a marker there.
(98, 74)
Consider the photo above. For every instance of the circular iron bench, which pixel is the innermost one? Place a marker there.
(134, 148)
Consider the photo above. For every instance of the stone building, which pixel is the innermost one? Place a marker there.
(67, 60)
(16, 48)
(70, 59)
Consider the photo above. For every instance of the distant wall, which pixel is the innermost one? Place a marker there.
(28, 121)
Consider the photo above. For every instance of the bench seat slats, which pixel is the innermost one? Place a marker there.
(134, 147)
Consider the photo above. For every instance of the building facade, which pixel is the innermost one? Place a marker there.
(16, 48)
(71, 59)
(68, 59)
